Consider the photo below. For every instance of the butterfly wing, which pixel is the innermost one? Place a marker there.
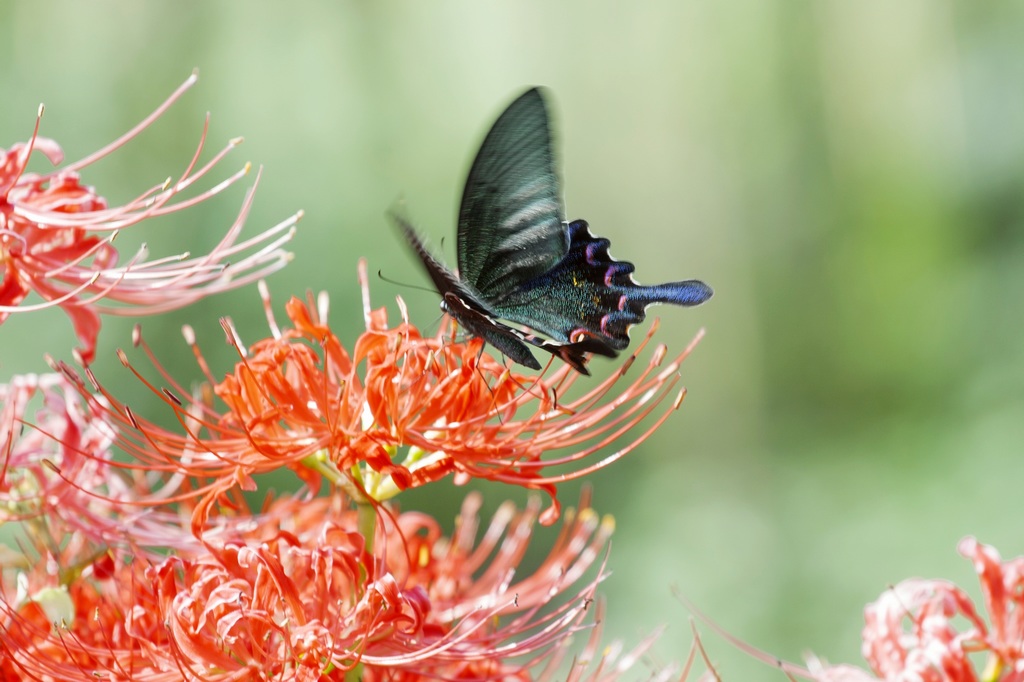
(588, 294)
(464, 306)
(510, 220)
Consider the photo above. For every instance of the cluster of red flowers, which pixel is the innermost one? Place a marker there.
(139, 556)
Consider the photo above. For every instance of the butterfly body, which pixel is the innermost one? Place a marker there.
(520, 261)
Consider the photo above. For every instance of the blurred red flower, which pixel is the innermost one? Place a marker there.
(930, 630)
(56, 239)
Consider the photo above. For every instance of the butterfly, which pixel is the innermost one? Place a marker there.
(521, 261)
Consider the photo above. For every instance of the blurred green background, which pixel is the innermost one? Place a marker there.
(847, 176)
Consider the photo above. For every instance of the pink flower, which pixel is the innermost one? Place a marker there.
(56, 239)
(57, 468)
(929, 630)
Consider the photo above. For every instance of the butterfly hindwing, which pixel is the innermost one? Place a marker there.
(589, 293)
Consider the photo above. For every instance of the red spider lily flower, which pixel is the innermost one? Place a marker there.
(402, 410)
(57, 467)
(294, 593)
(29, 486)
(930, 630)
(56, 239)
(295, 590)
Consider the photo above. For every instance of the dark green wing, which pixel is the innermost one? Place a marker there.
(510, 220)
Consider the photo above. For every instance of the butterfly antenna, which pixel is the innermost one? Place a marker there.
(435, 325)
(417, 287)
